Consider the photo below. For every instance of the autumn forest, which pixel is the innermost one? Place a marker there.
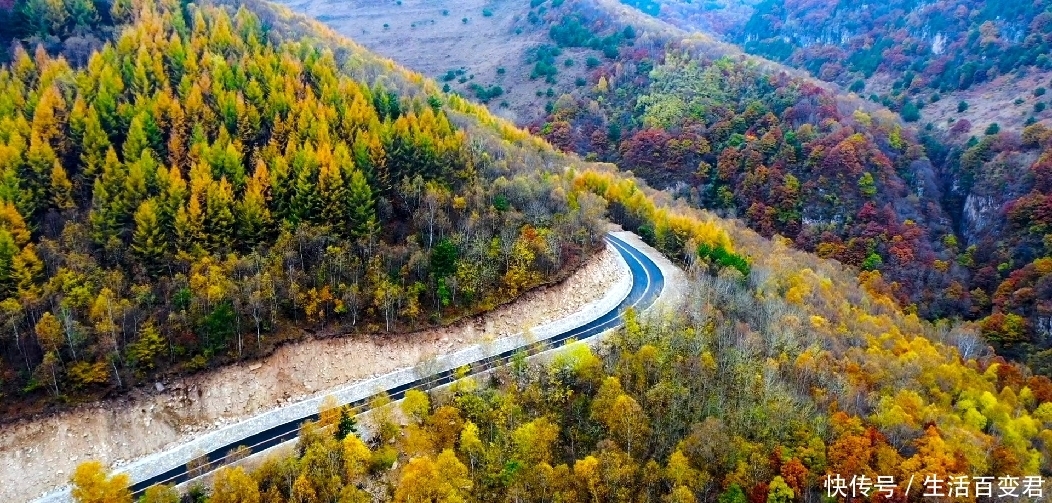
(185, 186)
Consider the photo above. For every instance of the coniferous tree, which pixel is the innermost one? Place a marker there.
(137, 182)
(61, 189)
(254, 220)
(137, 142)
(93, 147)
(173, 194)
(49, 120)
(189, 227)
(332, 193)
(82, 13)
(26, 271)
(361, 210)
(305, 205)
(149, 240)
(108, 208)
(8, 250)
(35, 176)
(219, 215)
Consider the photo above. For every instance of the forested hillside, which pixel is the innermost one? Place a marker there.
(75, 28)
(207, 186)
(780, 368)
(1004, 185)
(922, 59)
(924, 48)
(753, 391)
(947, 222)
(780, 153)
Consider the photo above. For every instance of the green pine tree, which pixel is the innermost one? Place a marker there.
(108, 209)
(360, 208)
(93, 147)
(347, 424)
(333, 193)
(35, 176)
(8, 250)
(136, 142)
(305, 205)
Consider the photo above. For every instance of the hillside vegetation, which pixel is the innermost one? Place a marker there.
(772, 149)
(922, 59)
(923, 48)
(754, 390)
(781, 366)
(949, 223)
(207, 186)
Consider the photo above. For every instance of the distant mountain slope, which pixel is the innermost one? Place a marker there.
(987, 164)
(746, 138)
(482, 49)
(921, 59)
(717, 17)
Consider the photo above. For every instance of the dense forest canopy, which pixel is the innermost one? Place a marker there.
(200, 188)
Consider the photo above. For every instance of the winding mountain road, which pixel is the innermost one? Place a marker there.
(647, 284)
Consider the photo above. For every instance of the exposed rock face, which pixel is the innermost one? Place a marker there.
(1043, 329)
(979, 216)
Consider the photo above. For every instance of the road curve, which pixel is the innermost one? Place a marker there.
(647, 285)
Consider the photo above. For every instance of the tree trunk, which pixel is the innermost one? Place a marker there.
(113, 363)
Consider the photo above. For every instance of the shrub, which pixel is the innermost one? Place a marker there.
(910, 112)
(993, 128)
(962, 106)
(485, 94)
